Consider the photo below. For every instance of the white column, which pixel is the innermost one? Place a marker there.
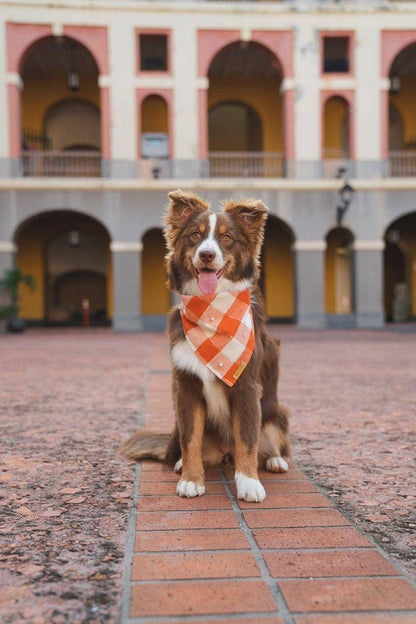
(123, 114)
(185, 113)
(307, 100)
(368, 98)
(4, 102)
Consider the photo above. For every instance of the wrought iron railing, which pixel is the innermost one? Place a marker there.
(246, 164)
(61, 164)
(402, 164)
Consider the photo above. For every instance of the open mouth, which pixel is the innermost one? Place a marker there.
(208, 279)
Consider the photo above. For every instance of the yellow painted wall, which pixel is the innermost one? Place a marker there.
(278, 272)
(30, 260)
(335, 240)
(155, 294)
(38, 96)
(405, 102)
(262, 96)
(154, 114)
(334, 113)
(330, 276)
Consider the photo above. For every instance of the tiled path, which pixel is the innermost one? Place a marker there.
(293, 559)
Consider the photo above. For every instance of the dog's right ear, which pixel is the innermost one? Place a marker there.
(183, 205)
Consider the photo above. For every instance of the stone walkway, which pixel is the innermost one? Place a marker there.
(78, 542)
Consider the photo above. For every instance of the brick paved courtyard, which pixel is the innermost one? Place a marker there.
(90, 538)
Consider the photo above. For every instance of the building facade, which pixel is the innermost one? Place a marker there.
(107, 105)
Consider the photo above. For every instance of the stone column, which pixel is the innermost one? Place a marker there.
(368, 274)
(307, 117)
(368, 101)
(310, 283)
(118, 101)
(7, 253)
(127, 286)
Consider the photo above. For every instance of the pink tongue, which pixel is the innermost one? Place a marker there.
(207, 282)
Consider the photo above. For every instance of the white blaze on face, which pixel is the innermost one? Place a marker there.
(210, 243)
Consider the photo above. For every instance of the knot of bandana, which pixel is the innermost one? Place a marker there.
(220, 331)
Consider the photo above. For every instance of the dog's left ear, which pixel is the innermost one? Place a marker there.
(251, 214)
(183, 206)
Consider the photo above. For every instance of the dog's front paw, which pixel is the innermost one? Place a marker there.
(248, 489)
(189, 488)
(276, 464)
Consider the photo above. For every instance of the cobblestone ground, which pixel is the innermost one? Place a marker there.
(68, 398)
(353, 401)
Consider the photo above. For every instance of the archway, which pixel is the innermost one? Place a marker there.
(156, 297)
(68, 254)
(154, 124)
(400, 269)
(339, 280)
(336, 129)
(60, 98)
(277, 280)
(234, 127)
(402, 75)
(245, 122)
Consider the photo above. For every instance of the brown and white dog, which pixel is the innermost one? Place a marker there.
(209, 253)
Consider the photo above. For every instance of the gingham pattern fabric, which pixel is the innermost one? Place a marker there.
(220, 331)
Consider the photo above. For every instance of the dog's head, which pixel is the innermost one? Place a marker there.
(210, 252)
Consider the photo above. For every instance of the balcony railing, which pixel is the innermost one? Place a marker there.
(246, 164)
(402, 164)
(88, 164)
(61, 164)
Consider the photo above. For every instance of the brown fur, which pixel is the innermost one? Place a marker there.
(259, 425)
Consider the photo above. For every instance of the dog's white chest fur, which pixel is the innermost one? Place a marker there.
(218, 408)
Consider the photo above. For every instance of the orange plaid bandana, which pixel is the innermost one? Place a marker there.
(220, 331)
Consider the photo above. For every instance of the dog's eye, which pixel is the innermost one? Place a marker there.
(195, 236)
(227, 238)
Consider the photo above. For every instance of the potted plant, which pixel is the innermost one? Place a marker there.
(9, 313)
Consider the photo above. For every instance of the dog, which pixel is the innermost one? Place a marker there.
(225, 366)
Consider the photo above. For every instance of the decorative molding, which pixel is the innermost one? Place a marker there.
(309, 245)
(126, 246)
(202, 82)
(287, 84)
(245, 34)
(57, 30)
(104, 81)
(153, 82)
(337, 84)
(7, 247)
(13, 78)
(385, 84)
(369, 245)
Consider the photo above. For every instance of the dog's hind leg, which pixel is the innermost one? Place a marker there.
(271, 442)
(274, 438)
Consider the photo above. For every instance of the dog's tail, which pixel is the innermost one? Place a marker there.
(146, 445)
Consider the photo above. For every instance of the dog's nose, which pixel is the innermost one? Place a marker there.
(207, 256)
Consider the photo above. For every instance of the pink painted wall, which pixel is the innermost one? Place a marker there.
(19, 37)
(289, 123)
(280, 42)
(210, 42)
(153, 31)
(95, 39)
(351, 49)
(393, 42)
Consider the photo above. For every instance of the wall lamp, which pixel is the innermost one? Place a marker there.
(345, 197)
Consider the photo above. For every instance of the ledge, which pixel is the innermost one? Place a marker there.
(206, 184)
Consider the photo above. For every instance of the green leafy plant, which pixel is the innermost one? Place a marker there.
(11, 282)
